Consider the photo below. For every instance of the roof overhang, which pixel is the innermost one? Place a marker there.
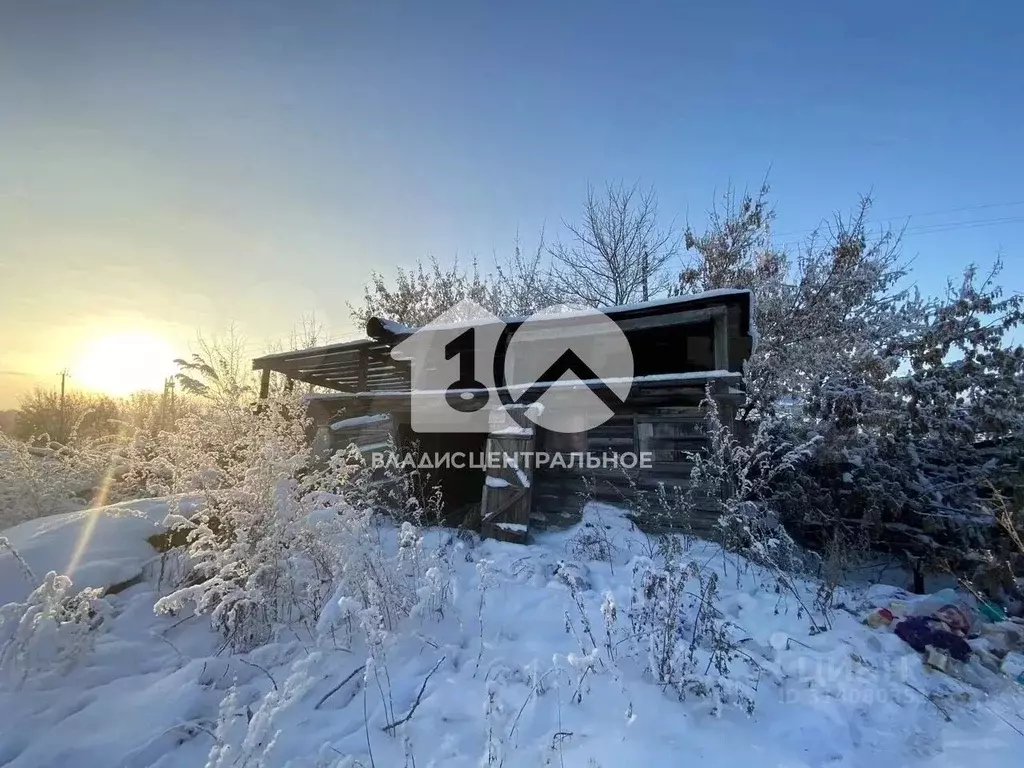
(366, 365)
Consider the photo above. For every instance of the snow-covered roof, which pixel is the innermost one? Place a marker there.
(717, 293)
(343, 366)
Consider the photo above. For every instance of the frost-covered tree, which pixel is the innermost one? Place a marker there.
(420, 294)
(522, 283)
(308, 332)
(914, 402)
(908, 459)
(525, 282)
(44, 415)
(736, 249)
(828, 312)
(946, 425)
(965, 378)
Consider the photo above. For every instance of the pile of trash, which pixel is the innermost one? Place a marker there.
(955, 626)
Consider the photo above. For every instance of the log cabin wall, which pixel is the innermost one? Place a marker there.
(665, 422)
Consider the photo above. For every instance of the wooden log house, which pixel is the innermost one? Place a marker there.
(679, 346)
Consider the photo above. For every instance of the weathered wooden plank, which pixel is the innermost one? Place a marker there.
(354, 370)
(721, 343)
(343, 351)
(600, 444)
(508, 489)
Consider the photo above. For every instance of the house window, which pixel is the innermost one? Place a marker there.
(669, 439)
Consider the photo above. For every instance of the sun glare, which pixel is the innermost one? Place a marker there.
(122, 363)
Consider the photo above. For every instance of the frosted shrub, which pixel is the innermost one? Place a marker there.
(740, 474)
(49, 632)
(592, 540)
(241, 573)
(254, 564)
(43, 481)
(370, 574)
(674, 619)
(247, 738)
(754, 531)
(283, 539)
(664, 515)
(672, 628)
(211, 446)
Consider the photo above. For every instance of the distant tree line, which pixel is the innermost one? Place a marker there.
(44, 416)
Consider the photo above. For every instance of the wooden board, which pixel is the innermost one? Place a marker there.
(508, 489)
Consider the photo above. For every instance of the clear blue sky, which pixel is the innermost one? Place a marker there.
(178, 165)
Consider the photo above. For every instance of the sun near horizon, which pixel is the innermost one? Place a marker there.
(119, 363)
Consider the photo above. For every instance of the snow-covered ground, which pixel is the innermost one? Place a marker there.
(509, 684)
(97, 547)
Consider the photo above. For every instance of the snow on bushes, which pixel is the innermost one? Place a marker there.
(38, 481)
(44, 636)
(503, 681)
(358, 632)
(281, 540)
(915, 402)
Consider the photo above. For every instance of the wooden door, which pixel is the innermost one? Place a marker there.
(507, 493)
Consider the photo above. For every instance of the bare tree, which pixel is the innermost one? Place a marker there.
(308, 332)
(619, 254)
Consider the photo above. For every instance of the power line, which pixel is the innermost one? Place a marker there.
(944, 226)
(911, 216)
(954, 225)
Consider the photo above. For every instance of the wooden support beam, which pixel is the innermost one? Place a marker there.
(364, 362)
(331, 352)
(684, 317)
(261, 404)
(721, 341)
